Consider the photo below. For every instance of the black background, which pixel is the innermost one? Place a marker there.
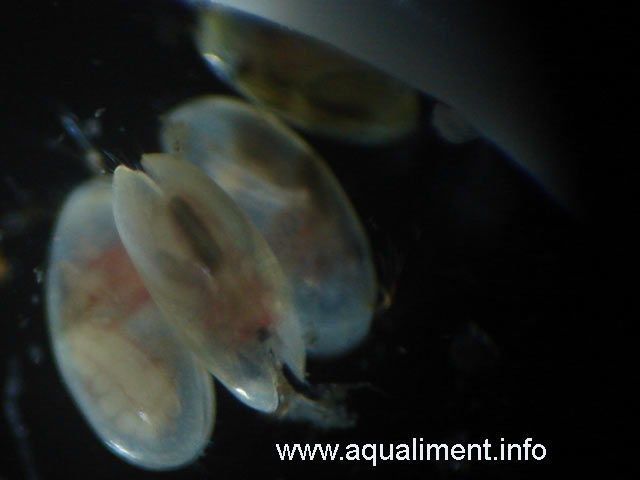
(498, 328)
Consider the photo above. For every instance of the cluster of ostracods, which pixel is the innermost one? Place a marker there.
(234, 253)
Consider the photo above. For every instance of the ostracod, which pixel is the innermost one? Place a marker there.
(212, 275)
(304, 81)
(141, 390)
(294, 199)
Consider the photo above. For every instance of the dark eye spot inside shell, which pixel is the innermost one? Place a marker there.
(263, 334)
(200, 241)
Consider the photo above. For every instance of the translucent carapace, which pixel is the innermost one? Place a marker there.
(294, 199)
(211, 274)
(141, 390)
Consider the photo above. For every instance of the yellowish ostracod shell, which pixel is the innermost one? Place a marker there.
(294, 199)
(308, 83)
(141, 390)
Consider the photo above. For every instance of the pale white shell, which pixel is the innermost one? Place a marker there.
(143, 393)
(212, 275)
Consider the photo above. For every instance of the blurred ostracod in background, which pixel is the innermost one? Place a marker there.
(310, 84)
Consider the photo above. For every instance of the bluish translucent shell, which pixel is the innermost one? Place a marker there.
(296, 202)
